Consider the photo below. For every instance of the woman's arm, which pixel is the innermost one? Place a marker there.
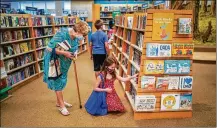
(96, 87)
(127, 78)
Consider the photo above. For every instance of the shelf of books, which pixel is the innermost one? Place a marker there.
(24, 38)
(157, 45)
(106, 12)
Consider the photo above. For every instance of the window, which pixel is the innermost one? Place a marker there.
(50, 5)
(67, 5)
(26, 3)
(39, 4)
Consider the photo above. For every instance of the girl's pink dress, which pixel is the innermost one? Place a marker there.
(113, 101)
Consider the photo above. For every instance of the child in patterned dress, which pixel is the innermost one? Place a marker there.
(108, 72)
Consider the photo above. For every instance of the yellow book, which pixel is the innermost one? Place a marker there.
(154, 67)
(24, 47)
(188, 49)
(177, 49)
(162, 26)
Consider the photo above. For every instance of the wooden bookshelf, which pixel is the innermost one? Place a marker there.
(32, 40)
(147, 32)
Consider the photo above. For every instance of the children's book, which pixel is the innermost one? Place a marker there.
(178, 48)
(16, 48)
(164, 50)
(130, 22)
(183, 66)
(162, 83)
(184, 26)
(186, 101)
(151, 49)
(24, 47)
(171, 66)
(170, 102)
(162, 26)
(145, 102)
(173, 83)
(186, 82)
(148, 82)
(154, 66)
(188, 49)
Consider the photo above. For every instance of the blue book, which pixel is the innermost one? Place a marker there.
(152, 50)
(186, 101)
(184, 66)
(171, 67)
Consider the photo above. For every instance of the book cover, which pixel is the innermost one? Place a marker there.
(154, 66)
(24, 47)
(173, 83)
(152, 50)
(184, 26)
(188, 49)
(164, 50)
(186, 82)
(19, 35)
(171, 66)
(186, 101)
(162, 83)
(130, 22)
(6, 36)
(148, 82)
(16, 48)
(184, 66)
(170, 102)
(145, 103)
(178, 48)
(137, 57)
(3, 22)
(162, 26)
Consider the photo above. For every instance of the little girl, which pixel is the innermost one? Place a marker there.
(109, 76)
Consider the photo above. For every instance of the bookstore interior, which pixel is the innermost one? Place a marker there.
(149, 39)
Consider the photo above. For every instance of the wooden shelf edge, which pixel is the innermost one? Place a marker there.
(25, 65)
(24, 80)
(17, 55)
(15, 41)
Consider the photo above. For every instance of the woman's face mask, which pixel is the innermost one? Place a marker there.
(80, 37)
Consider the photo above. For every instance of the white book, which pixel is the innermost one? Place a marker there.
(162, 83)
(186, 82)
(173, 83)
(145, 102)
(130, 22)
(164, 50)
(148, 82)
(170, 102)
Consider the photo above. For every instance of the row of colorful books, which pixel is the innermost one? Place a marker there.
(119, 20)
(166, 50)
(20, 75)
(167, 83)
(141, 21)
(41, 21)
(13, 21)
(123, 8)
(167, 66)
(16, 48)
(42, 42)
(14, 35)
(169, 102)
(61, 20)
(18, 61)
(137, 56)
(38, 32)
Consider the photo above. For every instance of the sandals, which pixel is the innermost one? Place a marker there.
(66, 104)
(64, 111)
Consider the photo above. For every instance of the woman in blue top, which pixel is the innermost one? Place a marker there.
(72, 35)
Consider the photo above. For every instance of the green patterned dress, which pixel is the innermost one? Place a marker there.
(59, 83)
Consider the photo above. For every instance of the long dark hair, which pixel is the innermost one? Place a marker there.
(108, 62)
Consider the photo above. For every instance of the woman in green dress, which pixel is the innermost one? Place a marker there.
(72, 35)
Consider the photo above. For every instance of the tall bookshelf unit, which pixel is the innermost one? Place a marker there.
(36, 42)
(126, 62)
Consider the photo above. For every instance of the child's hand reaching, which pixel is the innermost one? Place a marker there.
(134, 76)
(108, 90)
